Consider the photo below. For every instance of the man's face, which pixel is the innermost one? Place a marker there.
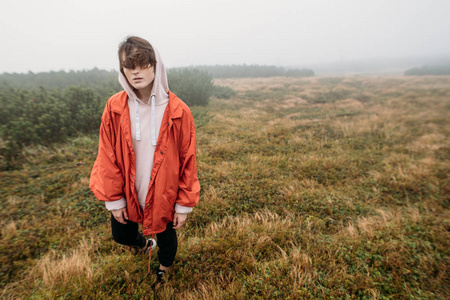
(141, 78)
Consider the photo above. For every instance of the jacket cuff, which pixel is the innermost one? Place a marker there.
(180, 209)
(115, 205)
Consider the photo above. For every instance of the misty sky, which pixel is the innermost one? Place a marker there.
(43, 35)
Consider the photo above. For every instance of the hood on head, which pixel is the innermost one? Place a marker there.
(160, 89)
(158, 96)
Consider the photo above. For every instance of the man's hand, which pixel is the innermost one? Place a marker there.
(178, 220)
(120, 215)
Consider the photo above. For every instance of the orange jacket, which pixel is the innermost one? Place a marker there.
(174, 174)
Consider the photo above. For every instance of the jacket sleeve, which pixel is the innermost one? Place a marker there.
(189, 186)
(180, 209)
(106, 180)
(116, 205)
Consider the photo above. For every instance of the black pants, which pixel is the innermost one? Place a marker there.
(129, 235)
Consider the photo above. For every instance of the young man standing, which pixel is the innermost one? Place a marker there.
(146, 170)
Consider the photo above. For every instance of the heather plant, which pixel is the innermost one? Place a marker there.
(301, 199)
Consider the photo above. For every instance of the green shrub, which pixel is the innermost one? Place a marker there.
(223, 92)
(193, 86)
(42, 117)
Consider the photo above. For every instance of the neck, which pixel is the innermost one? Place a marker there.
(145, 93)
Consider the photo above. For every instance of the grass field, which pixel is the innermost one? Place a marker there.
(313, 188)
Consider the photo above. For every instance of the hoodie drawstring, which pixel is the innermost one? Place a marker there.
(153, 121)
(138, 123)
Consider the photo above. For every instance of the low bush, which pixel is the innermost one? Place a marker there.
(223, 92)
(193, 86)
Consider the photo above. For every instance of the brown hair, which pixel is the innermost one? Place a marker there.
(136, 52)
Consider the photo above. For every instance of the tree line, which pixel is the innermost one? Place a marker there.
(243, 71)
(94, 78)
(429, 70)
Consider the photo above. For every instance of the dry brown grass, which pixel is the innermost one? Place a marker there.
(9, 230)
(73, 268)
(55, 272)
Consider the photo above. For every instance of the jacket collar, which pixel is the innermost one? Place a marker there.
(175, 109)
(119, 105)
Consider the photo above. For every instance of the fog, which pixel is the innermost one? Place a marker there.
(75, 35)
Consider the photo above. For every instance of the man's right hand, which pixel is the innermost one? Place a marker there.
(120, 215)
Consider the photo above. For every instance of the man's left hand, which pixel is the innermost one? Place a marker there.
(178, 220)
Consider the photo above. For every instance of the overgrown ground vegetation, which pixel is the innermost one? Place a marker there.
(313, 188)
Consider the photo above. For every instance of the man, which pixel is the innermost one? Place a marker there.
(146, 170)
